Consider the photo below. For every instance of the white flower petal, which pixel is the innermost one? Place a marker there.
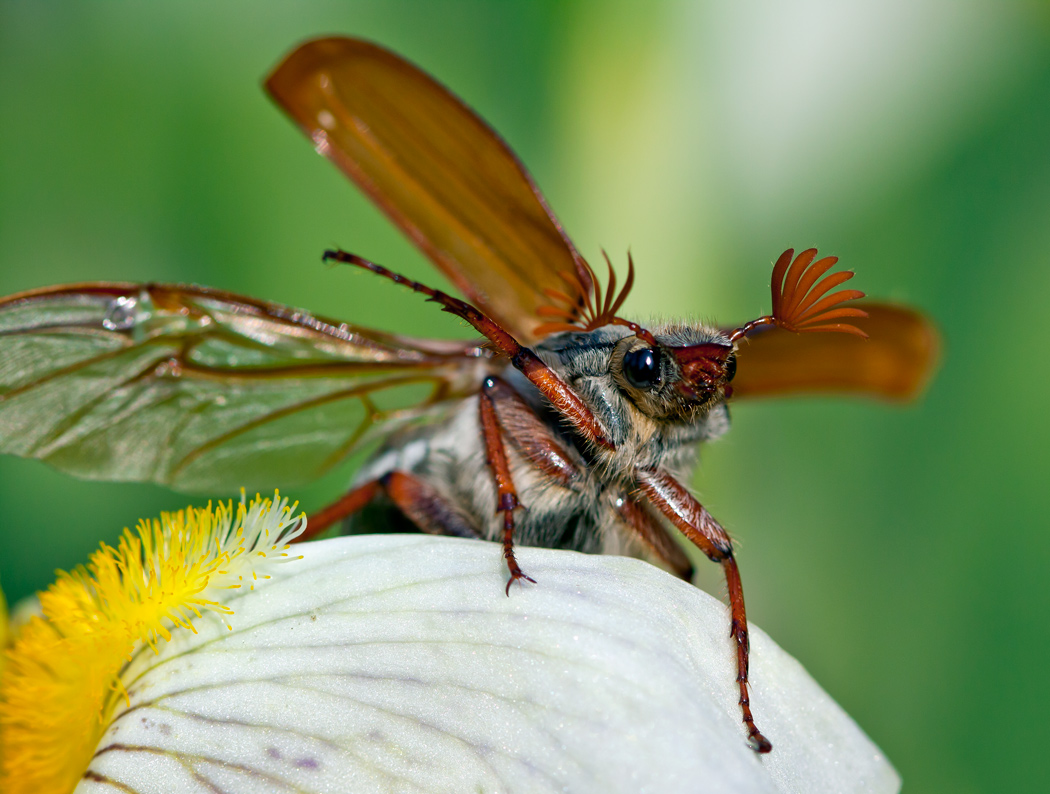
(396, 663)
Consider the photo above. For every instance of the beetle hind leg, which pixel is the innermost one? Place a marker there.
(414, 497)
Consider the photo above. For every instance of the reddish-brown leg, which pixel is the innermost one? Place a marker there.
(528, 433)
(506, 496)
(417, 499)
(653, 535)
(557, 391)
(673, 499)
(346, 505)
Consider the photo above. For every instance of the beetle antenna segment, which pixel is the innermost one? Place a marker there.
(504, 342)
(800, 300)
(501, 340)
(599, 306)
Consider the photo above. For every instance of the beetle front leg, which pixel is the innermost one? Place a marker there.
(506, 495)
(673, 499)
(558, 393)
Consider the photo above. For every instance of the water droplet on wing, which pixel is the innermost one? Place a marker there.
(121, 314)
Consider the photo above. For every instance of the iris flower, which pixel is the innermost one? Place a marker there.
(204, 654)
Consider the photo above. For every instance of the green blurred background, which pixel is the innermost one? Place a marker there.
(899, 553)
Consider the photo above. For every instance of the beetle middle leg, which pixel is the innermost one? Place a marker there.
(655, 537)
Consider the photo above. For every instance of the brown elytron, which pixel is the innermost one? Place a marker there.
(440, 173)
(562, 428)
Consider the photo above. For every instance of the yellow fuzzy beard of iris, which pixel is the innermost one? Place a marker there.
(60, 685)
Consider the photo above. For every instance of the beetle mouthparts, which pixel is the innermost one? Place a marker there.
(703, 365)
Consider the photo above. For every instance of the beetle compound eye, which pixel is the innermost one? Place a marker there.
(730, 367)
(641, 367)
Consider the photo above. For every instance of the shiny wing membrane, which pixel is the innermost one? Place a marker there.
(203, 390)
(894, 363)
(438, 171)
